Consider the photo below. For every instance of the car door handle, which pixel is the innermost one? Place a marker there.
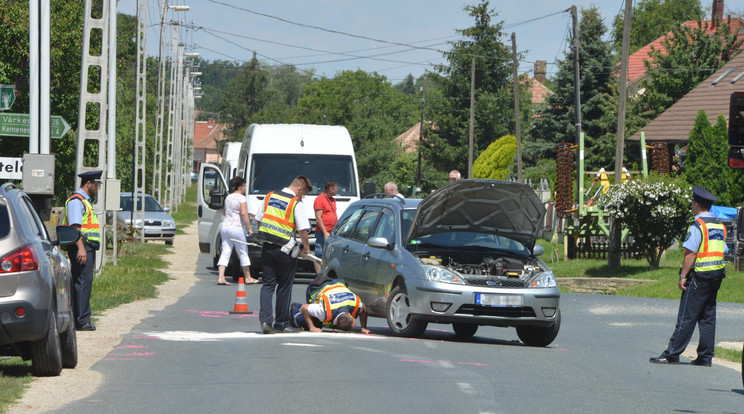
(345, 249)
(366, 256)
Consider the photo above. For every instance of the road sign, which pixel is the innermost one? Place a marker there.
(10, 168)
(18, 125)
(7, 97)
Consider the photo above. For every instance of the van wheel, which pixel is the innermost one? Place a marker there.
(68, 342)
(46, 355)
(464, 329)
(399, 317)
(539, 335)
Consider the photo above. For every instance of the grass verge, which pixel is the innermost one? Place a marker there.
(733, 355)
(135, 276)
(665, 277)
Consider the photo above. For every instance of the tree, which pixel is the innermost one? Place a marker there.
(655, 210)
(245, 96)
(706, 163)
(557, 123)
(371, 109)
(494, 163)
(686, 58)
(652, 19)
(447, 146)
(407, 85)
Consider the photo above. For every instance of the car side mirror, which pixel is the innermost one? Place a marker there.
(216, 199)
(538, 250)
(380, 243)
(67, 235)
(166, 209)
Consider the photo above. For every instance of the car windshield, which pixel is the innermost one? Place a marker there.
(271, 172)
(467, 240)
(150, 203)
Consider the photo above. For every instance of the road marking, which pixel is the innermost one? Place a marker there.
(465, 387)
(299, 344)
(193, 336)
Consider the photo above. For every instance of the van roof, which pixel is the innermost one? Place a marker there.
(299, 139)
(231, 151)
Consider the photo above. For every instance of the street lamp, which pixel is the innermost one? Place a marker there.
(179, 8)
(191, 54)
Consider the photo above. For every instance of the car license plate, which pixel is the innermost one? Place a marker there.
(492, 299)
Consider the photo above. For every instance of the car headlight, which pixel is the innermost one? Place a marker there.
(442, 275)
(168, 223)
(544, 279)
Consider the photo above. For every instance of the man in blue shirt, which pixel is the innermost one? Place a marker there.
(700, 277)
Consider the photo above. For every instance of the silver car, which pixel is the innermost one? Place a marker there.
(464, 255)
(36, 316)
(158, 225)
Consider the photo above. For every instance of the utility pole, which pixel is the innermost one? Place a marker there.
(614, 255)
(516, 107)
(472, 115)
(577, 86)
(421, 136)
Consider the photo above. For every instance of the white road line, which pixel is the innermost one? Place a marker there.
(466, 387)
(189, 336)
(299, 344)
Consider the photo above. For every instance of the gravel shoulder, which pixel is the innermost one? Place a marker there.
(49, 393)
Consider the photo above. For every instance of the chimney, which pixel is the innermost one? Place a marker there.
(210, 120)
(717, 14)
(540, 70)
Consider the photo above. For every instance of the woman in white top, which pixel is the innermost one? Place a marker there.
(236, 217)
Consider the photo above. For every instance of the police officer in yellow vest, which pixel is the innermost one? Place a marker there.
(329, 303)
(702, 271)
(79, 213)
(282, 218)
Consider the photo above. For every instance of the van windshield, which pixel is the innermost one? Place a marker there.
(272, 172)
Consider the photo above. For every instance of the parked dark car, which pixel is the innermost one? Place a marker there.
(464, 255)
(36, 316)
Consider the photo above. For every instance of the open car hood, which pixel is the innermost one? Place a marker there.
(505, 208)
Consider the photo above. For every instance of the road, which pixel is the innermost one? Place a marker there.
(194, 357)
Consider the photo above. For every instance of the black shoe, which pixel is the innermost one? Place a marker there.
(664, 360)
(86, 327)
(700, 362)
(287, 329)
(267, 329)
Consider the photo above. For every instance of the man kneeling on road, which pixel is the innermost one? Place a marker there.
(330, 303)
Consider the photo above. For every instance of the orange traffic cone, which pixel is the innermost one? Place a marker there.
(241, 305)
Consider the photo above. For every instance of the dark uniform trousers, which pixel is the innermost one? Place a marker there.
(697, 306)
(278, 274)
(82, 279)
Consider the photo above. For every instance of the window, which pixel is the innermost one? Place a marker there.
(366, 224)
(348, 220)
(37, 226)
(270, 172)
(4, 221)
(386, 226)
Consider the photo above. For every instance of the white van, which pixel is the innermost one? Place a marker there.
(270, 157)
(230, 158)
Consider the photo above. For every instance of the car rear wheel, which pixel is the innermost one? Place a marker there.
(169, 242)
(399, 317)
(465, 329)
(539, 335)
(46, 355)
(68, 341)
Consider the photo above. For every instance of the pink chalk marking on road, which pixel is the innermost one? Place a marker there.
(473, 363)
(135, 354)
(131, 346)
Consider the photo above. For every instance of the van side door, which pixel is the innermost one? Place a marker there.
(212, 187)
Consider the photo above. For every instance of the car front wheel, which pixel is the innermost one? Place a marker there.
(465, 329)
(539, 335)
(399, 317)
(46, 355)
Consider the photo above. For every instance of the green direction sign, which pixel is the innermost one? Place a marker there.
(7, 97)
(18, 125)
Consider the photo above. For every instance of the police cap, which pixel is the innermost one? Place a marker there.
(94, 176)
(701, 194)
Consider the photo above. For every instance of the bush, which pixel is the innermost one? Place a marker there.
(656, 211)
(494, 163)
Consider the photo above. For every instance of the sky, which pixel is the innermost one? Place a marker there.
(389, 37)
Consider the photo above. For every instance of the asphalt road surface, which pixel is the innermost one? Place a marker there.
(194, 357)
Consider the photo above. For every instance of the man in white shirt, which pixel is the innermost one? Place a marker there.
(392, 190)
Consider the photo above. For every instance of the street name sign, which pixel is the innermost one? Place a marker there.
(7, 97)
(18, 125)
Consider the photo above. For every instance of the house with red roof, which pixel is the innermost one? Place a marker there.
(207, 135)
(636, 61)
